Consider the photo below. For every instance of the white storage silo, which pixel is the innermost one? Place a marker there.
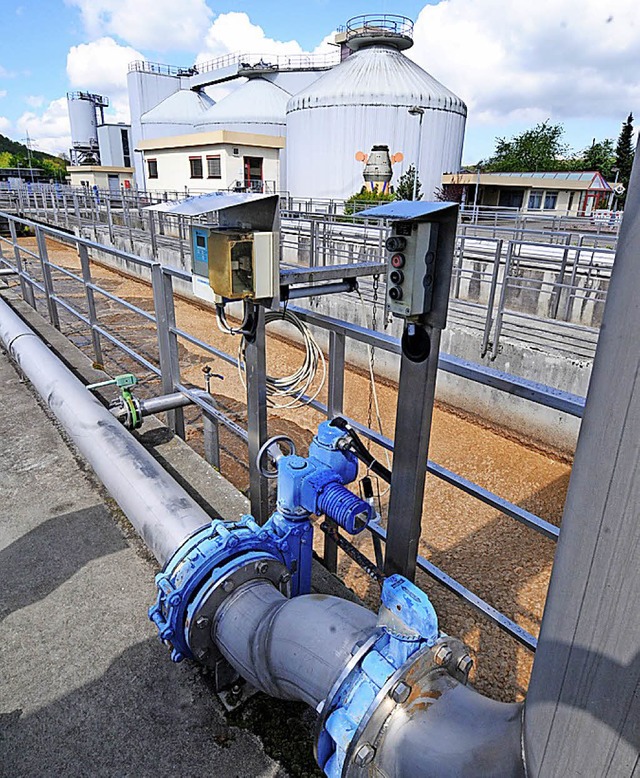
(82, 107)
(175, 115)
(256, 106)
(364, 102)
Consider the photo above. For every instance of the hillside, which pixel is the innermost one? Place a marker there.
(13, 153)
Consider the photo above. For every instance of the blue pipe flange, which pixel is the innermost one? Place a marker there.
(216, 552)
(407, 628)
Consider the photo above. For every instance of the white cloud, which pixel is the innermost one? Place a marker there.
(515, 61)
(49, 131)
(35, 101)
(234, 32)
(101, 66)
(4, 73)
(5, 124)
(3, 92)
(161, 25)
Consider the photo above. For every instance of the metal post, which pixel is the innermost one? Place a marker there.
(47, 278)
(488, 323)
(503, 294)
(25, 287)
(416, 393)
(257, 414)
(152, 235)
(582, 712)
(91, 304)
(110, 221)
(335, 399)
(167, 342)
(211, 434)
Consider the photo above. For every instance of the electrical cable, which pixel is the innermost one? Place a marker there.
(299, 383)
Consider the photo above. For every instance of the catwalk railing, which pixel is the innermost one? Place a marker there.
(41, 284)
(520, 279)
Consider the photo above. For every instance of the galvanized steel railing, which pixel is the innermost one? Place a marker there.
(37, 277)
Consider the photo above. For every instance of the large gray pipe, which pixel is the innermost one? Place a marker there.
(160, 510)
(582, 712)
(292, 649)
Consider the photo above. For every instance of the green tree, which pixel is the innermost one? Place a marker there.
(365, 198)
(404, 189)
(625, 152)
(538, 149)
(598, 156)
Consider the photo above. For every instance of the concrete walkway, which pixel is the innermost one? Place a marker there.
(86, 688)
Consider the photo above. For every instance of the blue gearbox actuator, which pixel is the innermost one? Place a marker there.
(220, 556)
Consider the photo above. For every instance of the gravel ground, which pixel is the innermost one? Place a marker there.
(497, 558)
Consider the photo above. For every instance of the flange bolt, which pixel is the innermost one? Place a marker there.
(465, 663)
(400, 692)
(261, 567)
(442, 655)
(364, 755)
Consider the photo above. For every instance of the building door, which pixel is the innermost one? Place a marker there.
(253, 173)
(114, 183)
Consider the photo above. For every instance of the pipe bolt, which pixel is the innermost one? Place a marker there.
(400, 692)
(465, 663)
(261, 567)
(364, 755)
(228, 586)
(202, 622)
(285, 578)
(442, 655)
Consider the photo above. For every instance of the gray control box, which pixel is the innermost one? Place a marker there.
(420, 258)
(412, 248)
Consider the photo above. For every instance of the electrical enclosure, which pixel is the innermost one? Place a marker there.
(234, 264)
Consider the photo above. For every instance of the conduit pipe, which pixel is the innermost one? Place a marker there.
(160, 510)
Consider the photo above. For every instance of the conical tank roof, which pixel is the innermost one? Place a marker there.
(253, 105)
(377, 76)
(182, 107)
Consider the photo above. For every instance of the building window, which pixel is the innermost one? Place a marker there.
(214, 168)
(550, 201)
(535, 199)
(236, 151)
(126, 153)
(195, 164)
(152, 165)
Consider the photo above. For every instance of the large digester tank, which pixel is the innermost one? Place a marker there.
(257, 106)
(175, 115)
(82, 107)
(364, 102)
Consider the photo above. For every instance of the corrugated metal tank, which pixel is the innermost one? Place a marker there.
(363, 102)
(176, 114)
(256, 106)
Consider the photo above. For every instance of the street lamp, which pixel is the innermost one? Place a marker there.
(415, 110)
(615, 170)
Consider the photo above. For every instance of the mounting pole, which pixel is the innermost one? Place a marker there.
(582, 712)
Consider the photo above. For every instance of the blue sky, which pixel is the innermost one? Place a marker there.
(514, 63)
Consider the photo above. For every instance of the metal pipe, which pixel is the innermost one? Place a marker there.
(159, 509)
(298, 292)
(292, 649)
(168, 402)
(582, 713)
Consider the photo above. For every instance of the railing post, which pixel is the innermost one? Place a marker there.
(110, 221)
(165, 313)
(25, 287)
(488, 323)
(47, 278)
(152, 235)
(503, 293)
(91, 303)
(335, 400)
(255, 360)
(211, 433)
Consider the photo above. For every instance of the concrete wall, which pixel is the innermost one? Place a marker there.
(538, 424)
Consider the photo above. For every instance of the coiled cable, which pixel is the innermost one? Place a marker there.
(289, 391)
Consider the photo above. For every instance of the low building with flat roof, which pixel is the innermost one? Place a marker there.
(213, 161)
(102, 176)
(564, 193)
